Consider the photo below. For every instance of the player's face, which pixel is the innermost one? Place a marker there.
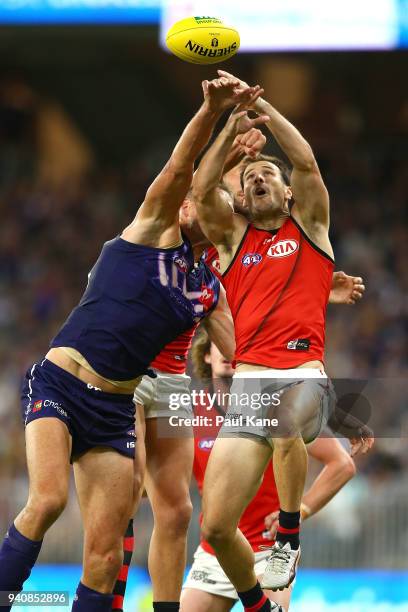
(221, 367)
(264, 188)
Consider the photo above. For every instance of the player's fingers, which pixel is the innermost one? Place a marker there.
(355, 447)
(224, 73)
(252, 137)
(356, 295)
(211, 85)
(357, 280)
(369, 442)
(261, 120)
(256, 95)
(204, 85)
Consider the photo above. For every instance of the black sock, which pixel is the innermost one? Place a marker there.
(288, 528)
(255, 599)
(120, 586)
(166, 606)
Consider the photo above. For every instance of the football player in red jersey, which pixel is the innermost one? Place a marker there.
(207, 588)
(277, 272)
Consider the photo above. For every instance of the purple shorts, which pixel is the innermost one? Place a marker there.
(93, 417)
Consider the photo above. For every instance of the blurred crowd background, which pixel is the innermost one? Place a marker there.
(85, 127)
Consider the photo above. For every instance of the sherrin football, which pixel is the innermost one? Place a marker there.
(202, 40)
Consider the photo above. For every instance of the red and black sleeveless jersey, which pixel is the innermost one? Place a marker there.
(278, 286)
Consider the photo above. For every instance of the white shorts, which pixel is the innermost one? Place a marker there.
(154, 394)
(259, 395)
(206, 574)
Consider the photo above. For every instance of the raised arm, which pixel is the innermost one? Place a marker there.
(338, 469)
(220, 327)
(220, 224)
(310, 195)
(156, 222)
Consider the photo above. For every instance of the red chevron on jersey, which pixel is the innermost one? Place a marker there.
(278, 286)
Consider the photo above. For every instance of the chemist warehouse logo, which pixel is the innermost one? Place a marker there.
(39, 404)
(283, 248)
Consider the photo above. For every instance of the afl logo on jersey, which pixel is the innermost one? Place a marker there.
(283, 248)
(251, 258)
(181, 264)
(206, 444)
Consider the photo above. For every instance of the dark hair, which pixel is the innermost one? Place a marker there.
(284, 168)
(201, 347)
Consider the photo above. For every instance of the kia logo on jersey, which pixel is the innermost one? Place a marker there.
(251, 258)
(283, 248)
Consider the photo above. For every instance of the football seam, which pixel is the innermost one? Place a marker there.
(206, 28)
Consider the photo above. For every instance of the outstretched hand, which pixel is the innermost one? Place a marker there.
(240, 123)
(363, 443)
(346, 289)
(225, 92)
(253, 104)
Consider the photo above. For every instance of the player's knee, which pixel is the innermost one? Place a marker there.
(103, 558)
(105, 564)
(175, 518)
(47, 506)
(286, 444)
(216, 533)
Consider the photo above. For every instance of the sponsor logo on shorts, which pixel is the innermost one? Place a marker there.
(251, 259)
(200, 576)
(37, 406)
(206, 444)
(300, 344)
(92, 388)
(283, 248)
(56, 406)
